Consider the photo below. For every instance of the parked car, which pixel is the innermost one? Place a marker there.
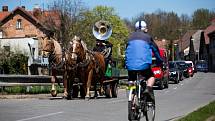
(183, 66)
(190, 64)
(175, 74)
(161, 73)
(190, 70)
(202, 66)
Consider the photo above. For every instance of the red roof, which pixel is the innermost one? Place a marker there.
(45, 15)
(207, 31)
(3, 15)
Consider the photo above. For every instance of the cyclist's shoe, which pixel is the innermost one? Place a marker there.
(150, 94)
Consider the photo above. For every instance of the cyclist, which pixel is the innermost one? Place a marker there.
(138, 56)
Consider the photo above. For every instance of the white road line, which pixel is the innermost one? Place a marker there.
(175, 88)
(117, 101)
(41, 116)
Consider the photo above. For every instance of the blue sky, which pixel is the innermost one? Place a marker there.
(127, 8)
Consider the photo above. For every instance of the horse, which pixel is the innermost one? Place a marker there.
(90, 65)
(57, 62)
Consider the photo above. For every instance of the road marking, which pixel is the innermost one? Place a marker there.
(175, 88)
(41, 116)
(182, 84)
(117, 101)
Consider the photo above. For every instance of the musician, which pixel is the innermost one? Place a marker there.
(104, 47)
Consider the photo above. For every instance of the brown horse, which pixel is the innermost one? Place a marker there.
(90, 65)
(56, 60)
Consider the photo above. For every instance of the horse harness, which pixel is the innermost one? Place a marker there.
(52, 60)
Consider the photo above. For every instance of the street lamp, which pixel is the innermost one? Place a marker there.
(176, 50)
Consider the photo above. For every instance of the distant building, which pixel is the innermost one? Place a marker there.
(209, 33)
(184, 45)
(20, 28)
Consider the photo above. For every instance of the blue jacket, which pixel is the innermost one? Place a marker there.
(138, 54)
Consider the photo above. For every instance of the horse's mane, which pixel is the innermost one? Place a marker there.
(57, 50)
(84, 45)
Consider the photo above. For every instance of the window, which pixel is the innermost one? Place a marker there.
(19, 24)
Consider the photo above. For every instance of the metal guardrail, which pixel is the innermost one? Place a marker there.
(30, 80)
(26, 80)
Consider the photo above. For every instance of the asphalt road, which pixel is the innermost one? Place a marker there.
(172, 103)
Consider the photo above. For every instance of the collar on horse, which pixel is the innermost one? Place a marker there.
(52, 60)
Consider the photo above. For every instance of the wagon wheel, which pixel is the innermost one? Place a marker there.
(114, 89)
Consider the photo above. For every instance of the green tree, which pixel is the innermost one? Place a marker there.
(202, 18)
(119, 33)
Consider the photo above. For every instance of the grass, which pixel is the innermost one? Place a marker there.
(202, 114)
(28, 90)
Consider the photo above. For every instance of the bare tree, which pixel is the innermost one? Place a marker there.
(63, 17)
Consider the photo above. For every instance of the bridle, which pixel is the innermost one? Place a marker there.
(75, 56)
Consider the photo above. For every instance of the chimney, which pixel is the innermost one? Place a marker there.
(4, 8)
(37, 11)
(23, 7)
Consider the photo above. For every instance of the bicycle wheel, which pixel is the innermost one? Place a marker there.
(133, 110)
(150, 111)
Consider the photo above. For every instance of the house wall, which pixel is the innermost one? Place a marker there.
(27, 28)
(212, 52)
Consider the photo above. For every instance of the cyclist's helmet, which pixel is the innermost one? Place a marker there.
(140, 25)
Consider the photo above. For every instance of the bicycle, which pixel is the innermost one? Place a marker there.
(138, 105)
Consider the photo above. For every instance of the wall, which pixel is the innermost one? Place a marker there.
(28, 29)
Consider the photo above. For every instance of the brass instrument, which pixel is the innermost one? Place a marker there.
(102, 30)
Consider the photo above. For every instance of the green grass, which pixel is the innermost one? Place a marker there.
(29, 90)
(201, 114)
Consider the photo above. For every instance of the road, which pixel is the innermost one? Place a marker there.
(172, 103)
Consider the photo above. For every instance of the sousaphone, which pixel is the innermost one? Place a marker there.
(102, 30)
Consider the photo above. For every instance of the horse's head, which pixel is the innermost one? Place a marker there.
(77, 49)
(47, 44)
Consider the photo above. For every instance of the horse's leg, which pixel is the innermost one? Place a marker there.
(95, 88)
(53, 78)
(89, 80)
(101, 90)
(65, 83)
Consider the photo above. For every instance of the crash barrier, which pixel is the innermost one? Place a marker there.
(31, 80)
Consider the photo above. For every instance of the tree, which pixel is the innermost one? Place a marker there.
(161, 24)
(64, 18)
(202, 18)
(90, 17)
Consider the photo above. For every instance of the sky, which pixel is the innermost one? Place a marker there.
(127, 8)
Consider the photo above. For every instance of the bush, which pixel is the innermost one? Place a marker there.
(13, 63)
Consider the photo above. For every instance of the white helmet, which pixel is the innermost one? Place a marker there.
(140, 25)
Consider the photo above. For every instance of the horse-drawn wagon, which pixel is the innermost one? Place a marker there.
(82, 68)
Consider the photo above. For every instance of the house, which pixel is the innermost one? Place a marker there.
(192, 46)
(20, 28)
(184, 45)
(209, 34)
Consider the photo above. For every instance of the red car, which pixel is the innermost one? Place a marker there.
(161, 73)
(190, 70)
